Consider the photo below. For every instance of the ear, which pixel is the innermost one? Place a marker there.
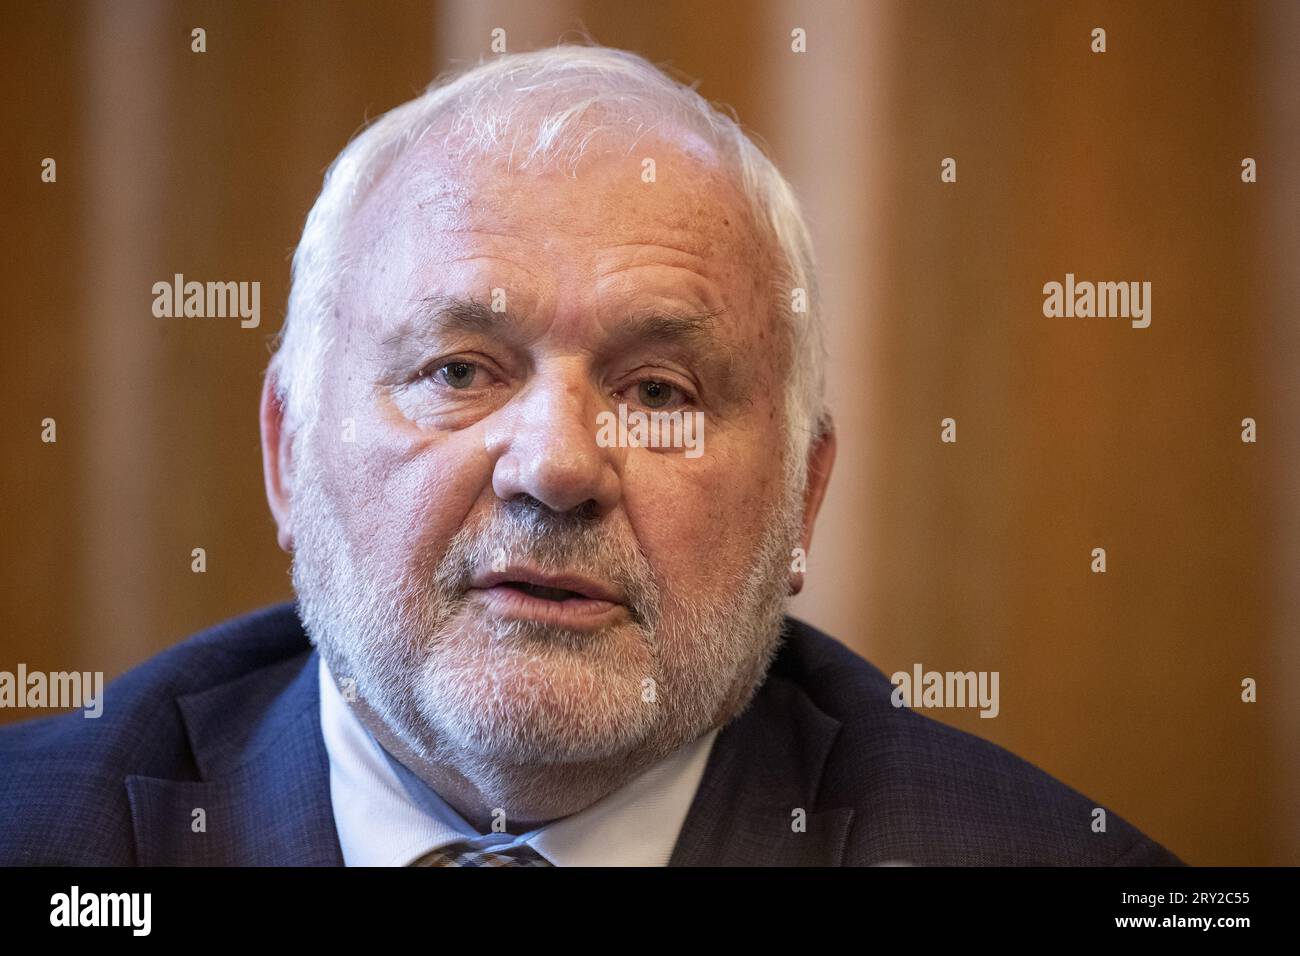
(277, 460)
(821, 459)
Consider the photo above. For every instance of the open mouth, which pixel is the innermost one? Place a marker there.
(526, 594)
(549, 594)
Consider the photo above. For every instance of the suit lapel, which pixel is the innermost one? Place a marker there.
(263, 791)
(761, 784)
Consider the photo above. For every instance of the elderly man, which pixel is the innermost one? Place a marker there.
(545, 436)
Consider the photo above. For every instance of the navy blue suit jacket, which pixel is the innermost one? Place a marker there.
(228, 722)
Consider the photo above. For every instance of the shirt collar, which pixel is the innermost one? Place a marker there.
(386, 816)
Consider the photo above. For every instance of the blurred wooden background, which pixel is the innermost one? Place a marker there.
(1072, 433)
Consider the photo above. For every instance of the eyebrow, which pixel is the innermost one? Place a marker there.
(442, 314)
(669, 325)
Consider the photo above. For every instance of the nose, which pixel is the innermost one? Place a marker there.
(548, 451)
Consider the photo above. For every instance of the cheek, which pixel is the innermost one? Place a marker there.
(699, 521)
(402, 493)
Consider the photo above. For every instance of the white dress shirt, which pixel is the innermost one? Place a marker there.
(386, 816)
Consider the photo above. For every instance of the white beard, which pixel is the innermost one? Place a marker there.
(483, 694)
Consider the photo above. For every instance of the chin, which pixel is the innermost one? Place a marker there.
(541, 695)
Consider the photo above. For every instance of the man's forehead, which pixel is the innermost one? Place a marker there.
(661, 190)
(682, 242)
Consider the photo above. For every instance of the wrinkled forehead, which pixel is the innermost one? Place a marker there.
(668, 190)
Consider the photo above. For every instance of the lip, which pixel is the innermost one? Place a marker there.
(594, 605)
(586, 587)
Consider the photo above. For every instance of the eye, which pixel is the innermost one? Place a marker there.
(456, 374)
(653, 393)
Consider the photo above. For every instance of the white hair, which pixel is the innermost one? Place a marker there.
(540, 108)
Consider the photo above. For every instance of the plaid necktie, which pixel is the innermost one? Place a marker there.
(465, 854)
